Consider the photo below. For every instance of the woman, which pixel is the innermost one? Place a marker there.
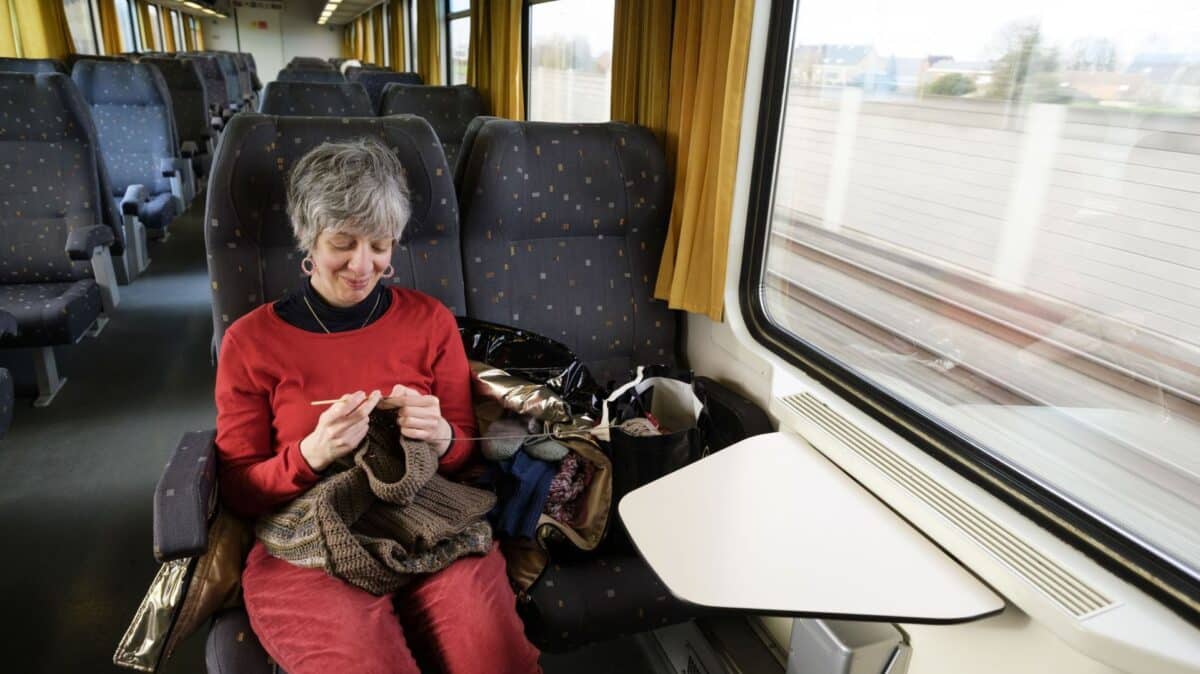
(344, 335)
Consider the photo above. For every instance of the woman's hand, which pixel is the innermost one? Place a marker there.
(420, 417)
(339, 429)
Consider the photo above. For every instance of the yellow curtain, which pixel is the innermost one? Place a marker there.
(360, 38)
(397, 35)
(169, 29)
(8, 46)
(494, 56)
(377, 27)
(199, 34)
(110, 32)
(42, 28)
(709, 49)
(641, 67)
(148, 41)
(429, 40)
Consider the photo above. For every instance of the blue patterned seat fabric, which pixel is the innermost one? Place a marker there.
(131, 108)
(310, 75)
(233, 85)
(31, 66)
(50, 181)
(563, 227)
(376, 80)
(305, 99)
(252, 254)
(190, 104)
(214, 81)
(449, 109)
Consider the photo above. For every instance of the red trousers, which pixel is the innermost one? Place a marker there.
(460, 620)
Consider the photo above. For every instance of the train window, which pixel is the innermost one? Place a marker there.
(177, 26)
(983, 220)
(458, 28)
(570, 60)
(127, 25)
(79, 15)
(156, 30)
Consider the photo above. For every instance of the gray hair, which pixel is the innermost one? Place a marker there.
(356, 186)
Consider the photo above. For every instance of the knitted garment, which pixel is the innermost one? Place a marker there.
(387, 517)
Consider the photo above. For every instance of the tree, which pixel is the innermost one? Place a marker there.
(951, 84)
(1025, 62)
(1093, 54)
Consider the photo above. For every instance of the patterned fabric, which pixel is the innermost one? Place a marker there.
(50, 313)
(375, 80)
(189, 97)
(252, 254)
(214, 81)
(50, 179)
(599, 599)
(31, 66)
(449, 109)
(232, 646)
(563, 228)
(243, 74)
(131, 108)
(310, 75)
(315, 100)
(229, 71)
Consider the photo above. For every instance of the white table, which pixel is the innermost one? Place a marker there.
(769, 526)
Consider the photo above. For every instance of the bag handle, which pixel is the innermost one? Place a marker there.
(602, 429)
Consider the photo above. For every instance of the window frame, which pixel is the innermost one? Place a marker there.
(159, 30)
(94, 21)
(448, 61)
(1117, 551)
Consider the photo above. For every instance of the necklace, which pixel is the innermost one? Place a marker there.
(318, 319)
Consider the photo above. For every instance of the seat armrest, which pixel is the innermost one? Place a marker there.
(185, 498)
(83, 241)
(8, 324)
(188, 149)
(134, 196)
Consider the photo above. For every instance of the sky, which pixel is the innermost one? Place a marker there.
(967, 29)
(590, 18)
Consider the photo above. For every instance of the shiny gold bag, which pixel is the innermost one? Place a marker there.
(185, 594)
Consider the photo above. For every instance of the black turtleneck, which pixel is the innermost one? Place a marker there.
(293, 309)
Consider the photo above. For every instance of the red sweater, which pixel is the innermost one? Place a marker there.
(269, 371)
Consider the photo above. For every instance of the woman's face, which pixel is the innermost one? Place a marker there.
(346, 266)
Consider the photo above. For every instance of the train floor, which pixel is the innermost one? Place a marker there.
(76, 478)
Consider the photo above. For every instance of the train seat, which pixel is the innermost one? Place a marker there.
(374, 81)
(56, 269)
(449, 109)
(31, 66)
(191, 106)
(321, 76)
(309, 99)
(131, 108)
(238, 99)
(563, 228)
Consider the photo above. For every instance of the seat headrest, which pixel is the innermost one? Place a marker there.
(348, 99)
(42, 108)
(119, 83)
(572, 180)
(448, 109)
(254, 182)
(31, 66)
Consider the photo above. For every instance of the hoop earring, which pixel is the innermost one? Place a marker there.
(307, 271)
(389, 272)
